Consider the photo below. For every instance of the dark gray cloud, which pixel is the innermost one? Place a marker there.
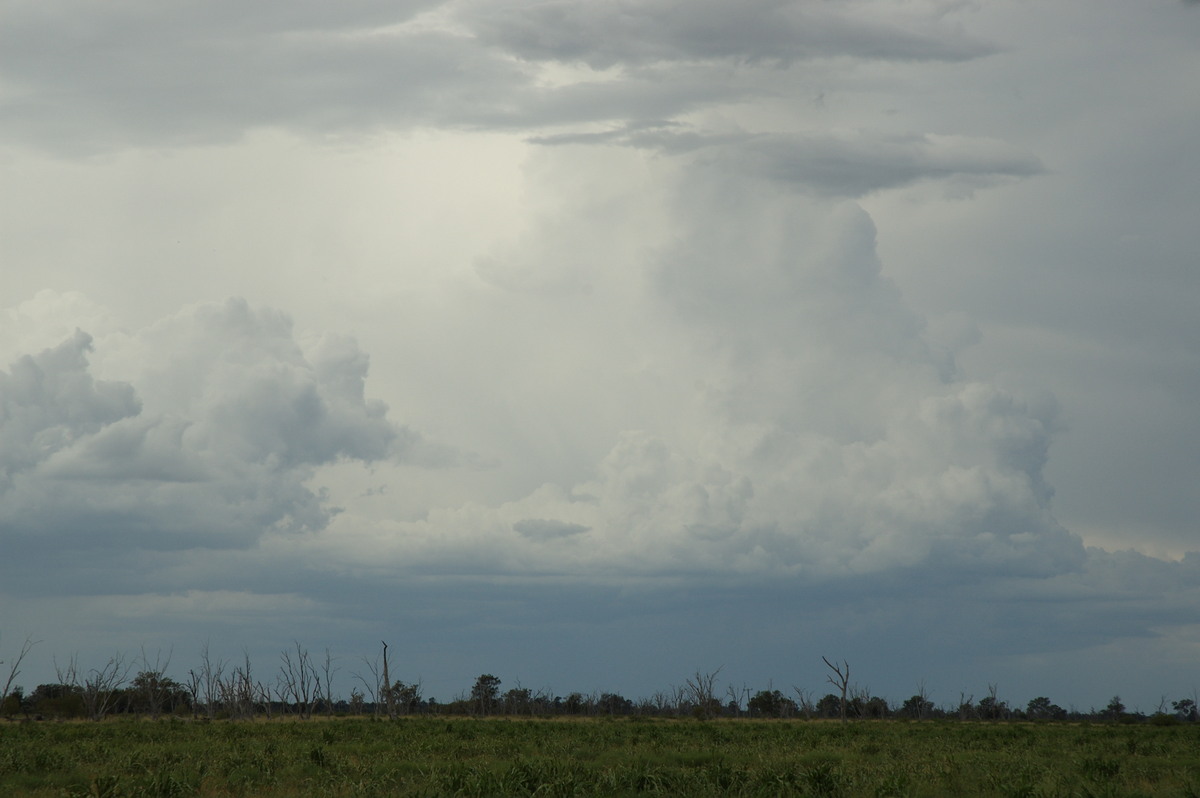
(607, 33)
(847, 165)
(544, 529)
(49, 401)
(82, 78)
(855, 166)
(953, 635)
(124, 85)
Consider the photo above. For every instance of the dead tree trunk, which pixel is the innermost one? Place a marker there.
(841, 680)
(387, 685)
(14, 669)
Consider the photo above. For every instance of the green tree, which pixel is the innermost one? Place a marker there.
(404, 699)
(917, 707)
(771, 704)
(1186, 709)
(518, 701)
(991, 707)
(874, 707)
(14, 702)
(57, 700)
(614, 704)
(484, 694)
(829, 707)
(1041, 708)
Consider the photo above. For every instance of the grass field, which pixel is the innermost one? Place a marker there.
(627, 756)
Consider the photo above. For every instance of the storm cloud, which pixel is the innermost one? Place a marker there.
(539, 331)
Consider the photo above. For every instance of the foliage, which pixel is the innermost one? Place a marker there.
(485, 693)
(772, 704)
(917, 707)
(1041, 708)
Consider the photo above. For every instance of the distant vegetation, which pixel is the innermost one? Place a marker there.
(302, 686)
(228, 729)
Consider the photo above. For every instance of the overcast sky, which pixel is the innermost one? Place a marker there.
(592, 344)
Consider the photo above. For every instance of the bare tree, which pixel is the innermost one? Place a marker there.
(152, 681)
(98, 688)
(299, 683)
(374, 685)
(101, 686)
(193, 687)
(840, 678)
(262, 696)
(701, 689)
(542, 699)
(210, 680)
(328, 669)
(239, 692)
(860, 696)
(804, 699)
(356, 701)
(67, 674)
(735, 698)
(680, 699)
(966, 709)
(14, 668)
(923, 701)
(387, 684)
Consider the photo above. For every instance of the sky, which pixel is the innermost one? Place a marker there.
(597, 344)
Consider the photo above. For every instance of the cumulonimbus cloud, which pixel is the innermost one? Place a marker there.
(819, 434)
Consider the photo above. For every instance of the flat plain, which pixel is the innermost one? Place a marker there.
(430, 756)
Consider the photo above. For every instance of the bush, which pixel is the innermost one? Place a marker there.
(1163, 719)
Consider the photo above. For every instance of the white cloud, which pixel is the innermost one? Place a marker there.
(208, 443)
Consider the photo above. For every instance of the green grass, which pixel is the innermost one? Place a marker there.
(499, 757)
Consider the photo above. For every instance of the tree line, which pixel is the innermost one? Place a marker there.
(302, 685)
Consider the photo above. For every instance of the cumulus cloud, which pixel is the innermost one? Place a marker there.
(953, 488)
(208, 443)
(49, 402)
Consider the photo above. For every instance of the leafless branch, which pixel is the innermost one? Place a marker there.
(840, 678)
(14, 668)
